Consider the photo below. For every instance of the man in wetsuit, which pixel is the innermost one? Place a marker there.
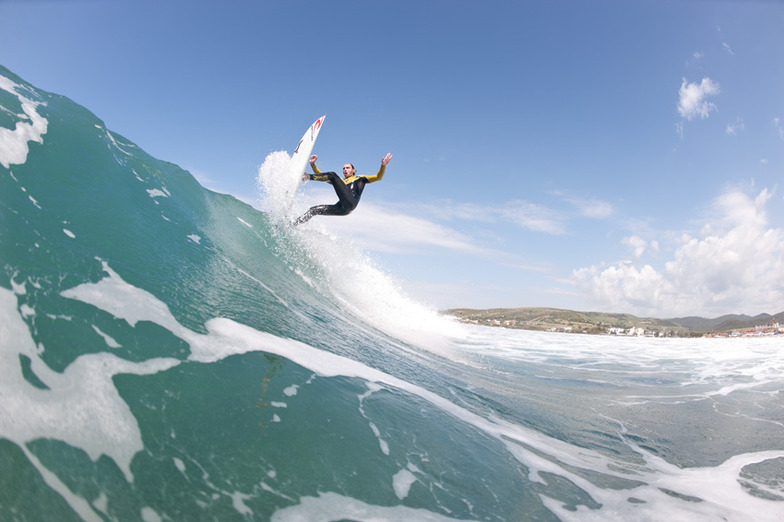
(349, 189)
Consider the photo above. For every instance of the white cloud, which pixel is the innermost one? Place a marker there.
(696, 56)
(636, 244)
(623, 287)
(449, 211)
(737, 266)
(384, 230)
(724, 44)
(592, 208)
(734, 128)
(692, 98)
(530, 216)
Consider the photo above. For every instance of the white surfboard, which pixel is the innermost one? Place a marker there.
(300, 159)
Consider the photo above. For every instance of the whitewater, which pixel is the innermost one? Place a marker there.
(171, 353)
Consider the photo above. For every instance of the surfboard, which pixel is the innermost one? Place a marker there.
(300, 159)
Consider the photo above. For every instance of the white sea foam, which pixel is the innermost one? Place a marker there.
(402, 482)
(723, 498)
(26, 311)
(150, 515)
(101, 503)
(14, 143)
(718, 366)
(80, 406)
(110, 342)
(157, 193)
(78, 504)
(331, 506)
(383, 444)
(118, 146)
(238, 501)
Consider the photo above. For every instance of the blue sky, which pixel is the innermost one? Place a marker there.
(593, 155)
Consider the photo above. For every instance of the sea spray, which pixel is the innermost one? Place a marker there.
(349, 275)
(273, 185)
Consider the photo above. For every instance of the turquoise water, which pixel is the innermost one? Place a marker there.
(169, 353)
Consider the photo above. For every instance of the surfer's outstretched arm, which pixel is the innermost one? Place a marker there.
(313, 159)
(380, 174)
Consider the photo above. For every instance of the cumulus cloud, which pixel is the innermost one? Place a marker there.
(385, 230)
(735, 266)
(638, 245)
(692, 101)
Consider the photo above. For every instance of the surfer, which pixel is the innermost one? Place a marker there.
(349, 189)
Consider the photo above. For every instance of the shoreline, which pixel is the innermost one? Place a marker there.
(623, 325)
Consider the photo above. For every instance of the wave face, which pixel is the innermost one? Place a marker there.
(169, 353)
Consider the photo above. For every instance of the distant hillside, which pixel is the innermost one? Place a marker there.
(600, 322)
(723, 323)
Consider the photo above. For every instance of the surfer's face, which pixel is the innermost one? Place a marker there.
(348, 170)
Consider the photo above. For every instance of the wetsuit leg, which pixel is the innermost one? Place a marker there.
(345, 205)
(322, 210)
(345, 197)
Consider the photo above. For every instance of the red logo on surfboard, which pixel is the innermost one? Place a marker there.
(315, 127)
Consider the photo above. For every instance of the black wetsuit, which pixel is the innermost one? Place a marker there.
(348, 190)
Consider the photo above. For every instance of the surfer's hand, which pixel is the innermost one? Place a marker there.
(385, 159)
(313, 158)
(306, 177)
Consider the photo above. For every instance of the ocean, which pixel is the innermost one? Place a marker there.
(171, 353)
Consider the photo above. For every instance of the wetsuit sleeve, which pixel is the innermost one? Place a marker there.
(322, 176)
(315, 176)
(377, 176)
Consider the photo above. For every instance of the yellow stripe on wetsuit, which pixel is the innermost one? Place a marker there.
(352, 179)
